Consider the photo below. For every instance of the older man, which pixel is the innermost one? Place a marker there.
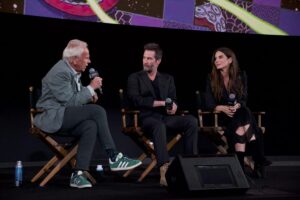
(66, 111)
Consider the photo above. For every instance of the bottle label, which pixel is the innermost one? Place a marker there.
(18, 176)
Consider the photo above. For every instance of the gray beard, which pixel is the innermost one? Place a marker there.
(148, 69)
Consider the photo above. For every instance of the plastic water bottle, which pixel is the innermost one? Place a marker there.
(100, 171)
(19, 174)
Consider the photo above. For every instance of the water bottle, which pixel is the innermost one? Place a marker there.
(100, 171)
(18, 174)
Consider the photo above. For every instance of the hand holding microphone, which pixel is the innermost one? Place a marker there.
(168, 104)
(232, 99)
(171, 107)
(232, 103)
(96, 80)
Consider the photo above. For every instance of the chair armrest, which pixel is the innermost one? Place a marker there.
(36, 111)
(259, 112)
(208, 112)
(259, 115)
(213, 113)
(183, 112)
(124, 111)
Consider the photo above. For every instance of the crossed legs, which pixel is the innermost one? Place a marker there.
(88, 123)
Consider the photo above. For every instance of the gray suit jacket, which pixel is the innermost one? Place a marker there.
(59, 90)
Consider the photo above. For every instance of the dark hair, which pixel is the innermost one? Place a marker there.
(156, 48)
(235, 84)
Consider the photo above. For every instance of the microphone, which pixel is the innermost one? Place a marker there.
(168, 103)
(92, 74)
(232, 99)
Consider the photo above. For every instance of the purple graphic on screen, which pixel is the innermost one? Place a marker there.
(274, 3)
(175, 14)
(290, 22)
(141, 20)
(267, 13)
(80, 7)
(180, 11)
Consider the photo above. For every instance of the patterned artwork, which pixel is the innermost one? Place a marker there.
(146, 7)
(233, 24)
(274, 17)
(210, 16)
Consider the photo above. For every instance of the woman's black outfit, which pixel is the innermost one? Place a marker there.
(242, 117)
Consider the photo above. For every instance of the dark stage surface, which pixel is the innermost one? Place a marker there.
(281, 182)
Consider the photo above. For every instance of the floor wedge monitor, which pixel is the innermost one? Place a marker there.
(215, 174)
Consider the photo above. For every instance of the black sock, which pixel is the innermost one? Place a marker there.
(112, 154)
(241, 156)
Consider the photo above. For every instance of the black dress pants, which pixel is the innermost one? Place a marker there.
(158, 126)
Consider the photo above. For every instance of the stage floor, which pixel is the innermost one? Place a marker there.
(282, 182)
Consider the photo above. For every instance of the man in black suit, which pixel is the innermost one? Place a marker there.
(148, 89)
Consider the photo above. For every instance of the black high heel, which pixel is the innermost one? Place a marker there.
(259, 171)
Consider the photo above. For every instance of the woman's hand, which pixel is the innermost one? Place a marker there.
(228, 110)
(235, 107)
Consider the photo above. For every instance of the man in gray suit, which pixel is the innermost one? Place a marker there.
(151, 92)
(66, 111)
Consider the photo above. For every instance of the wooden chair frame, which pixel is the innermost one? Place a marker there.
(216, 132)
(64, 153)
(134, 132)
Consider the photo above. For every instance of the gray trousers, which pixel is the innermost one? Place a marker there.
(88, 123)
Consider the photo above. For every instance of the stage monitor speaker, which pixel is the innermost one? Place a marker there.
(206, 174)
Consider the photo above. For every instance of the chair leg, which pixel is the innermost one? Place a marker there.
(60, 165)
(147, 170)
(141, 158)
(173, 142)
(72, 162)
(46, 167)
(249, 162)
(221, 149)
(154, 161)
(90, 177)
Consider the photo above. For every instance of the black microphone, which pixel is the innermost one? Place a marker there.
(169, 103)
(92, 74)
(232, 99)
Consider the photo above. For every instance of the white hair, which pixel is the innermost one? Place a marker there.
(74, 48)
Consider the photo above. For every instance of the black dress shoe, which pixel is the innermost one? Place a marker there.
(266, 163)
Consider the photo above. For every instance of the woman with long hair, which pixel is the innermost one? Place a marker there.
(226, 92)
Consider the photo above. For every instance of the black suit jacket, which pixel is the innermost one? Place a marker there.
(141, 92)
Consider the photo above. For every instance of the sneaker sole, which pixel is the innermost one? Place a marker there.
(126, 168)
(80, 187)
